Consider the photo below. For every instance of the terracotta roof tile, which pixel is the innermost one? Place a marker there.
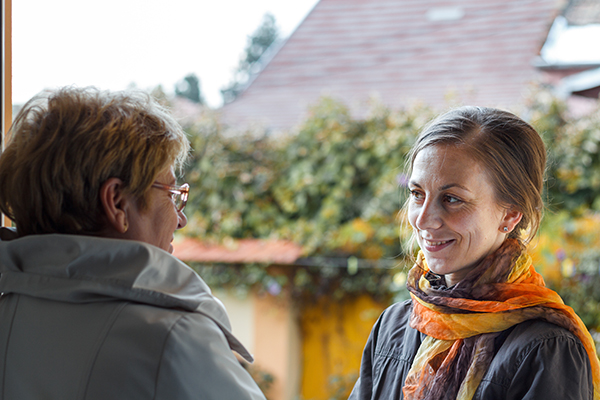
(241, 251)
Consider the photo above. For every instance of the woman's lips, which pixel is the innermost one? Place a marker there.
(436, 245)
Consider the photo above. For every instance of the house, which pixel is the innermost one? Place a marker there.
(432, 51)
(567, 60)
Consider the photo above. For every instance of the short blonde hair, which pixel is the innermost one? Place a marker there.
(65, 144)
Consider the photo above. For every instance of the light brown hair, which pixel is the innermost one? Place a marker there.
(508, 148)
(65, 144)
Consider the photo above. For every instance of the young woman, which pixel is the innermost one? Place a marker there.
(480, 323)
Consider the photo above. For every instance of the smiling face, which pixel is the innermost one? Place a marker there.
(454, 212)
(157, 223)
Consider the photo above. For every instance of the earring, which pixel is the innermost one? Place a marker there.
(125, 227)
(505, 229)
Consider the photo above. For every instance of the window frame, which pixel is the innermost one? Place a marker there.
(6, 82)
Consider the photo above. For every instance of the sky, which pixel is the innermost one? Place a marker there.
(112, 44)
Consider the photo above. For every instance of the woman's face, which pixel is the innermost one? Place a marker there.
(157, 223)
(453, 211)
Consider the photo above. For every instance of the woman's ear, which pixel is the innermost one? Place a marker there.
(114, 204)
(511, 218)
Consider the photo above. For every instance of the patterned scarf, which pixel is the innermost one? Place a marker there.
(461, 323)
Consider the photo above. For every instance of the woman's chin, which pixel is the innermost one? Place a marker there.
(439, 266)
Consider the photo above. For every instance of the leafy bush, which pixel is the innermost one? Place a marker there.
(335, 187)
(573, 146)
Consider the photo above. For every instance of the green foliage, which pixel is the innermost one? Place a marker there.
(340, 181)
(264, 380)
(189, 87)
(232, 179)
(581, 293)
(573, 146)
(580, 290)
(334, 187)
(340, 386)
(258, 43)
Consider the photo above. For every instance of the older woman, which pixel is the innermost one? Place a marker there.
(92, 304)
(480, 324)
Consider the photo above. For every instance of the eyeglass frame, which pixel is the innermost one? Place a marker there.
(182, 191)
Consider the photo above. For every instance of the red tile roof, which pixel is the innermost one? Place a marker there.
(241, 251)
(392, 49)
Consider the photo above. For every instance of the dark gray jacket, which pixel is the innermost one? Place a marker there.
(534, 360)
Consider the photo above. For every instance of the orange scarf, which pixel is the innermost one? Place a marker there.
(462, 322)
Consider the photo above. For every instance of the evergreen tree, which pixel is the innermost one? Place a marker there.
(189, 87)
(258, 43)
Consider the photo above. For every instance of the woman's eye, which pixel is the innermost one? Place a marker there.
(452, 199)
(415, 194)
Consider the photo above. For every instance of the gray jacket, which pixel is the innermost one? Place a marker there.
(534, 360)
(96, 319)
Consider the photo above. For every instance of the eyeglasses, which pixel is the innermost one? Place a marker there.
(179, 194)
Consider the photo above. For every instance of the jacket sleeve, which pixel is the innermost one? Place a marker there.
(556, 368)
(538, 360)
(197, 363)
(363, 388)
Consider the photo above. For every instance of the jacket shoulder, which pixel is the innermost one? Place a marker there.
(166, 354)
(538, 360)
(395, 316)
(197, 359)
(391, 330)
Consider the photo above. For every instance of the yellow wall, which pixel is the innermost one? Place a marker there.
(333, 338)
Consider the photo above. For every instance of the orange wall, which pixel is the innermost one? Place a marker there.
(277, 344)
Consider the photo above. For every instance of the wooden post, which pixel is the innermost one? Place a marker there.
(6, 89)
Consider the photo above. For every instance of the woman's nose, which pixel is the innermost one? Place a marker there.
(429, 216)
(182, 219)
